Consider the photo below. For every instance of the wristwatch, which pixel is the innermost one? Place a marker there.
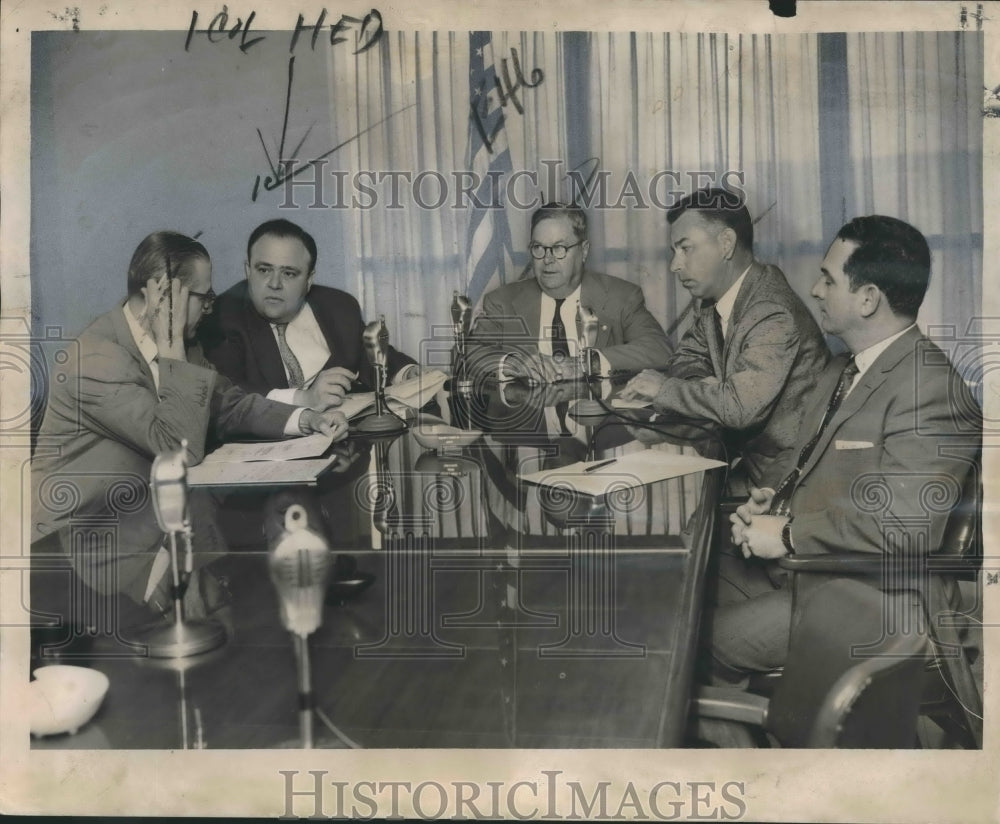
(786, 536)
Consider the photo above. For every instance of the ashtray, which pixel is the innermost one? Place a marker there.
(64, 698)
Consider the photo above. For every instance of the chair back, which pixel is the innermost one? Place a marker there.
(961, 549)
(854, 673)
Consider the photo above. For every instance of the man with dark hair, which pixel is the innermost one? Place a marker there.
(526, 327)
(891, 417)
(753, 351)
(140, 387)
(278, 334)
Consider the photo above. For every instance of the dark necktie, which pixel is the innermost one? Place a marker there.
(560, 346)
(560, 351)
(783, 494)
(292, 365)
(717, 321)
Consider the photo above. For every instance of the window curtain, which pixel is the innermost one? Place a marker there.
(648, 103)
(916, 154)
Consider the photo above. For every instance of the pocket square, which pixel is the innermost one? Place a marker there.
(853, 445)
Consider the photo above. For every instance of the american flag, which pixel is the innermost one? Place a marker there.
(488, 242)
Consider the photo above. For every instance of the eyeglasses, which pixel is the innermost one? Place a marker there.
(207, 299)
(558, 251)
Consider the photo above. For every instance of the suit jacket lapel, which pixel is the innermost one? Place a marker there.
(747, 288)
(528, 306)
(866, 385)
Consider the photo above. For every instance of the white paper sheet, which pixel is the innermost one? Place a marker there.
(309, 446)
(634, 469)
(253, 473)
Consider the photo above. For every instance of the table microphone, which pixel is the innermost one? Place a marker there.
(461, 316)
(300, 563)
(587, 326)
(375, 340)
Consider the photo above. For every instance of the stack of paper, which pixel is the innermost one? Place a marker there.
(411, 394)
(634, 469)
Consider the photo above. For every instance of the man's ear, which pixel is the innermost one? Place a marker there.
(246, 269)
(585, 248)
(871, 299)
(309, 280)
(727, 237)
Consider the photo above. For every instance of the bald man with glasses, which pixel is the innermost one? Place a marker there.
(527, 329)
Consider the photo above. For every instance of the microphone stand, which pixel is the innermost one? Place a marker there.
(461, 314)
(183, 637)
(587, 325)
(376, 342)
(299, 566)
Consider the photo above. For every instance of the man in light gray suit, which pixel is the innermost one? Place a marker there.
(753, 352)
(526, 327)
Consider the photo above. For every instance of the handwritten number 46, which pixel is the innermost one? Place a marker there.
(367, 35)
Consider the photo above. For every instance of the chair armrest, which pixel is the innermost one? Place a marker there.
(835, 563)
(730, 705)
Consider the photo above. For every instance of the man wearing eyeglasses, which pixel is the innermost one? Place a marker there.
(139, 387)
(278, 334)
(526, 328)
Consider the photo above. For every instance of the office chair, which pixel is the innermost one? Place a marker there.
(958, 709)
(847, 683)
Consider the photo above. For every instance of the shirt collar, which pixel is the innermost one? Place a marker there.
(143, 340)
(303, 318)
(866, 357)
(724, 305)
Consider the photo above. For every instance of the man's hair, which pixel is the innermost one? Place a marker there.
(284, 228)
(719, 206)
(577, 217)
(160, 249)
(892, 255)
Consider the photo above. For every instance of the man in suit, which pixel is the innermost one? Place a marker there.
(139, 387)
(890, 425)
(525, 327)
(753, 351)
(278, 334)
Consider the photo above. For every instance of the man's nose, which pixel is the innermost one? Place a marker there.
(815, 291)
(549, 254)
(274, 280)
(675, 265)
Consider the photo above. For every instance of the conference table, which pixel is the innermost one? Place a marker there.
(503, 613)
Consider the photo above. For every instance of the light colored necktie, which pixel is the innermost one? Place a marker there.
(292, 365)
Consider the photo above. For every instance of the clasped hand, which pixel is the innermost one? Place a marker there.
(754, 530)
(328, 389)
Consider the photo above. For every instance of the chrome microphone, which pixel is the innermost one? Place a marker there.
(587, 326)
(376, 342)
(300, 564)
(375, 339)
(461, 316)
(183, 637)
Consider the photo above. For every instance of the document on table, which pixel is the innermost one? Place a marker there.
(619, 403)
(309, 446)
(413, 393)
(634, 469)
(254, 473)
